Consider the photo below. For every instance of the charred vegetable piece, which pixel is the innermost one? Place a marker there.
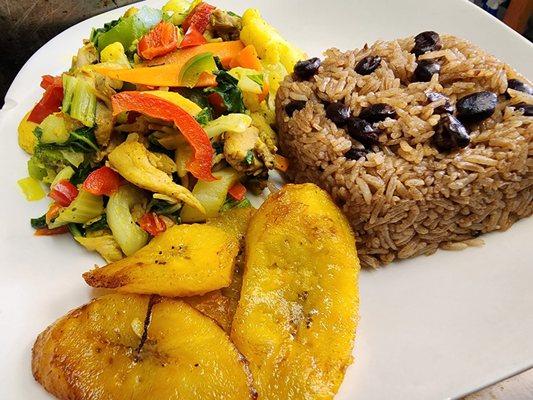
(426, 42)
(450, 134)
(377, 112)
(476, 106)
(368, 65)
(305, 70)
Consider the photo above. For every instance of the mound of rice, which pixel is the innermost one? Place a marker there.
(406, 198)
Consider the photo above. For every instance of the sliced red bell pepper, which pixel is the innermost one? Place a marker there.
(63, 193)
(199, 17)
(103, 181)
(152, 223)
(51, 100)
(50, 232)
(155, 107)
(217, 102)
(237, 191)
(161, 40)
(192, 38)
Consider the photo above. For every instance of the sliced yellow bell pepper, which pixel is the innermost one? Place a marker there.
(27, 139)
(175, 98)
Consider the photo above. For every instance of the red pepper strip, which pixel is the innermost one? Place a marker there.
(263, 95)
(192, 38)
(49, 80)
(50, 232)
(161, 40)
(198, 17)
(217, 102)
(63, 193)
(237, 191)
(51, 100)
(155, 107)
(103, 181)
(152, 223)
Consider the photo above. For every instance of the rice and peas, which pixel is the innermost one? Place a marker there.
(408, 174)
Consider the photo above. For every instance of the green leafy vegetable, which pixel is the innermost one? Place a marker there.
(83, 140)
(127, 29)
(97, 225)
(79, 100)
(257, 79)
(75, 230)
(229, 92)
(96, 32)
(249, 159)
(85, 207)
(231, 203)
(204, 116)
(82, 173)
(38, 223)
(129, 236)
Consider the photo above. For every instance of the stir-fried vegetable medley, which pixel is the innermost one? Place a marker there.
(165, 117)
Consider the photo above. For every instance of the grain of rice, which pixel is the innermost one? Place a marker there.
(407, 198)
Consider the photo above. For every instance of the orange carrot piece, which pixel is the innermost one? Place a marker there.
(247, 58)
(225, 51)
(163, 75)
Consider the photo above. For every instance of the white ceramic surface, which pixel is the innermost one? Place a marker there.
(431, 328)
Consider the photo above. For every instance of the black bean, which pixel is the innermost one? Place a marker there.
(355, 154)
(293, 106)
(307, 69)
(368, 65)
(446, 108)
(363, 131)
(476, 106)
(425, 70)
(527, 109)
(377, 112)
(515, 84)
(450, 134)
(425, 42)
(338, 113)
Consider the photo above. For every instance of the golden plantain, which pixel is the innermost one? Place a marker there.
(185, 260)
(220, 305)
(296, 318)
(134, 347)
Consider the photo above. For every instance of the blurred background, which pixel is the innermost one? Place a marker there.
(25, 25)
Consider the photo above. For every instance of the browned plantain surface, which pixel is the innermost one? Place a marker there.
(220, 305)
(186, 260)
(297, 314)
(130, 347)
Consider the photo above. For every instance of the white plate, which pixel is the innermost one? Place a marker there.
(431, 328)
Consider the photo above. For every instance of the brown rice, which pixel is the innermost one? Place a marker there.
(406, 198)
